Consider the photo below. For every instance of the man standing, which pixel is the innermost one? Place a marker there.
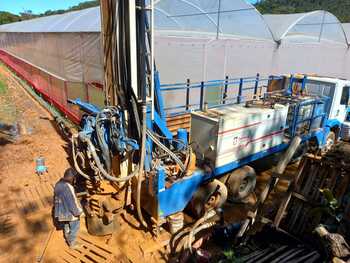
(67, 207)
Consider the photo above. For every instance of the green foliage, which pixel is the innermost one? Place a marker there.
(328, 210)
(2, 87)
(6, 17)
(230, 257)
(330, 200)
(339, 8)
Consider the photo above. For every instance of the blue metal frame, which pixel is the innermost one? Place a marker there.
(159, 97)
(174, 198)
(227, 84)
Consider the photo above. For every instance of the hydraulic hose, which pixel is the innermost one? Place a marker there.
(107, 176)
(195, 231)
(102, 143)
(76, 165)
(177, 236)
(196, 227)
(167, 150)
(141, 169)
(190, 232)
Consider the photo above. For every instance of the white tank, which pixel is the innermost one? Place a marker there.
(230, 133)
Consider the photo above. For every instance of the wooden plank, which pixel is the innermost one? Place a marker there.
(178, 122)
(104, 249)
(179, 117)
(286, 200)
(92, 254)
(73, 255)
(299, 196)
(175, 128)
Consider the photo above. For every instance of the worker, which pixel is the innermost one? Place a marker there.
(67, 209)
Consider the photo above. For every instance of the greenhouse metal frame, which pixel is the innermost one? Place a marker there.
(195, 41)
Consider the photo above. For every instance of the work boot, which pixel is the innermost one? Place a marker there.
(76, 246)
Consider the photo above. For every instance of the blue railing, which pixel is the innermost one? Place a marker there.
(319, 107)
(227, 91)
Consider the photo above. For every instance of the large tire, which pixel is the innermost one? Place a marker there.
(240, 183)
(330, 141)
(208, 196)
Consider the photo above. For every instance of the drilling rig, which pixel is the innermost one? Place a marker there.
(126, 155)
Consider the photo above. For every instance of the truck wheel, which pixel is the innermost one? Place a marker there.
(240, 183)
(330, 141)
(209, 196)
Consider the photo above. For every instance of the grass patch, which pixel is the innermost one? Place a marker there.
(3, 87)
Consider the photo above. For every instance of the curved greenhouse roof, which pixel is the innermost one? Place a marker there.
(219, 18)
(206, 18)
(87, 20)
(346, 27)
(306, 27)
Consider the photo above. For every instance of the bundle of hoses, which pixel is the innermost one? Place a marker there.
(102, 144)
(189, 233)
(92, 150)
(167, 150)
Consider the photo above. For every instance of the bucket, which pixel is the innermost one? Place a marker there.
(40, 165)
(176, 222)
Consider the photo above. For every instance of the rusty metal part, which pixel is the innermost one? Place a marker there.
(209, 196)
(191, 163)
(102, 207)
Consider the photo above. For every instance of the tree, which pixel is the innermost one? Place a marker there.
(339, 8)
(6, 17)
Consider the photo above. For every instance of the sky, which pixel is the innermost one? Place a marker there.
(40, 6)
(37, 6)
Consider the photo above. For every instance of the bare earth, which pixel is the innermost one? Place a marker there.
(27, 233)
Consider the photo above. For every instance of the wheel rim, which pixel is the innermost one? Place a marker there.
(329, 144)
(243, 185)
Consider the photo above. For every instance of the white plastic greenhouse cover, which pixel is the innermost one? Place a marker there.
(87, 20)
(195, 39)
(216, 18)
(346, 27)
(306, 27)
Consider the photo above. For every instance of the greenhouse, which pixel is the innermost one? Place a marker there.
(199, 40)
(314, 26)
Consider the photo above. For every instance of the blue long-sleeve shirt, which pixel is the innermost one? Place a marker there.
(67, 207)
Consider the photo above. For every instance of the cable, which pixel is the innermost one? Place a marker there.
(195, 229)
(140, 176)
(92, 150)
(190, 232)
(167, 150)
(76, 166)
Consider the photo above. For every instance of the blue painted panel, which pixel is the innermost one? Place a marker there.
(333, 123)
(161, 124)
(159, 97)
(320, 136)
(231, 166)
(175, 198)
